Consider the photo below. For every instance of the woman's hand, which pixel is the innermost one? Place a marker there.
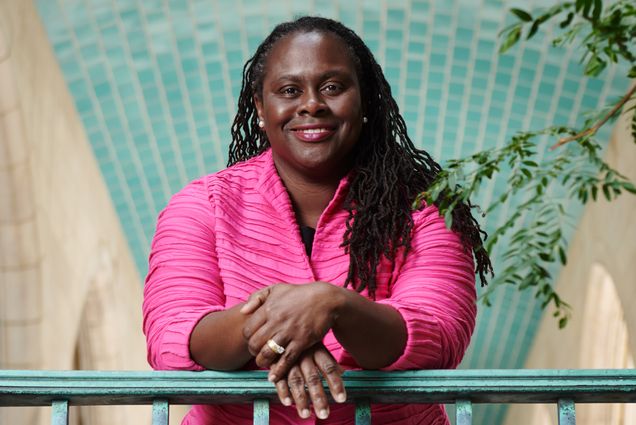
(303, 384)
(296, 317)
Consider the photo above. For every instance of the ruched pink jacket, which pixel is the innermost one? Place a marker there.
(231, 233)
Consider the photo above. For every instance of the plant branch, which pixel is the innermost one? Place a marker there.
(592, 130)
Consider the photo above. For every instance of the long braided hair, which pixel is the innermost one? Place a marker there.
(389, 171)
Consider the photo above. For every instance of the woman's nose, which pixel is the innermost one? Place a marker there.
(312, 103)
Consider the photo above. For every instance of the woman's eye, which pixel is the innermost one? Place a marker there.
(332, 88)
(289, 91)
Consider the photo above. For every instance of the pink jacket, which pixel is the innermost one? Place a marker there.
(231, 233)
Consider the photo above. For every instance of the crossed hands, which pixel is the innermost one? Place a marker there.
(296, 317)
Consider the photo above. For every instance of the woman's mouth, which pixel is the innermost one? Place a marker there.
(316, 134)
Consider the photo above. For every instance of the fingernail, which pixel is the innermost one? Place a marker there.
(323, 413)
(287, 401)
(271, 377)
(305, 413)
(341, 397)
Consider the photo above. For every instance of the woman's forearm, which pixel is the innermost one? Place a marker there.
(217, 340)
(374, 334)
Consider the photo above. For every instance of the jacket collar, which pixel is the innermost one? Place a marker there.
(272, 189)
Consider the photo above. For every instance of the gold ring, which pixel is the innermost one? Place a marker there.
(275, 347)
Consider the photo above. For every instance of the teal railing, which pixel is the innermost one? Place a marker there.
(463, 388)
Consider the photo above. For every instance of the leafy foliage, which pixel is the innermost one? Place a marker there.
(532, 237)
(609, 35)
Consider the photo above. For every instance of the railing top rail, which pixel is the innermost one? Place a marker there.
(39, 388)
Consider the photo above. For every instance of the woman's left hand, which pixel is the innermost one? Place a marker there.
(303, 385)
(296, 317)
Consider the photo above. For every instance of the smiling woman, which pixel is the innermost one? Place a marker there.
(305, 257)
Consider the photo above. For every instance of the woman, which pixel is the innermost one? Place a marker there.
(304, 256)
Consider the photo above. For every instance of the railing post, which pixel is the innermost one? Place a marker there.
(160, 410)
(363, 412)
(463, 412)
(261, 412)
(59, 412)
(567, 414)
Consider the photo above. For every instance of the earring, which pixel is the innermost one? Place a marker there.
(365, 120)
(261, 123)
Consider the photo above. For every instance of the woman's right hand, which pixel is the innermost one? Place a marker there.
(296, 317)
(303, 383)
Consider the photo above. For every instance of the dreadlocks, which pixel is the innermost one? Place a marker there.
(389, 170)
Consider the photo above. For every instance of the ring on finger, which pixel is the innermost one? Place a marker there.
(273, 345)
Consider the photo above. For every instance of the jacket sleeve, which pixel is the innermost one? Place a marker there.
(434, 292)
(183, 283)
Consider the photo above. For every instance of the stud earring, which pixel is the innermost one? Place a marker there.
(261, 123)
(365, 120)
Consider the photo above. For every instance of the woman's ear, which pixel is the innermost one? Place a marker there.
(259, 106)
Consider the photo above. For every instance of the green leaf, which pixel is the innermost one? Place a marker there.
(587, 6)
(629, 187)
(567, 20)
(418, 201)
(522, 14)
(448, 218)
(526, 172)
(562, 256)
(563, 322)
(579, 5)
(598, 9)
(632, 72)
(584, 195)
(595, 66)
(511, 39)
(545, 257)
(606, 192)
(452, 182)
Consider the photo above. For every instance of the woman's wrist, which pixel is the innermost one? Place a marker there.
(338, 301)
(217, 342)
(363, 326)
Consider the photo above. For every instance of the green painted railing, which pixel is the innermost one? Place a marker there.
(463, 388)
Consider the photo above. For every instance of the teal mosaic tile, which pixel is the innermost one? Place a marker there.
(482, 66)
(479, 82)
(413, 84)
(461, 54)
(418, 28)
(394, 37)
(416, 47)
(420, 7)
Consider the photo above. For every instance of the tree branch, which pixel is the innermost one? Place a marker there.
(595, 127)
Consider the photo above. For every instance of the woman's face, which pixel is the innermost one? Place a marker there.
(311, 105)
